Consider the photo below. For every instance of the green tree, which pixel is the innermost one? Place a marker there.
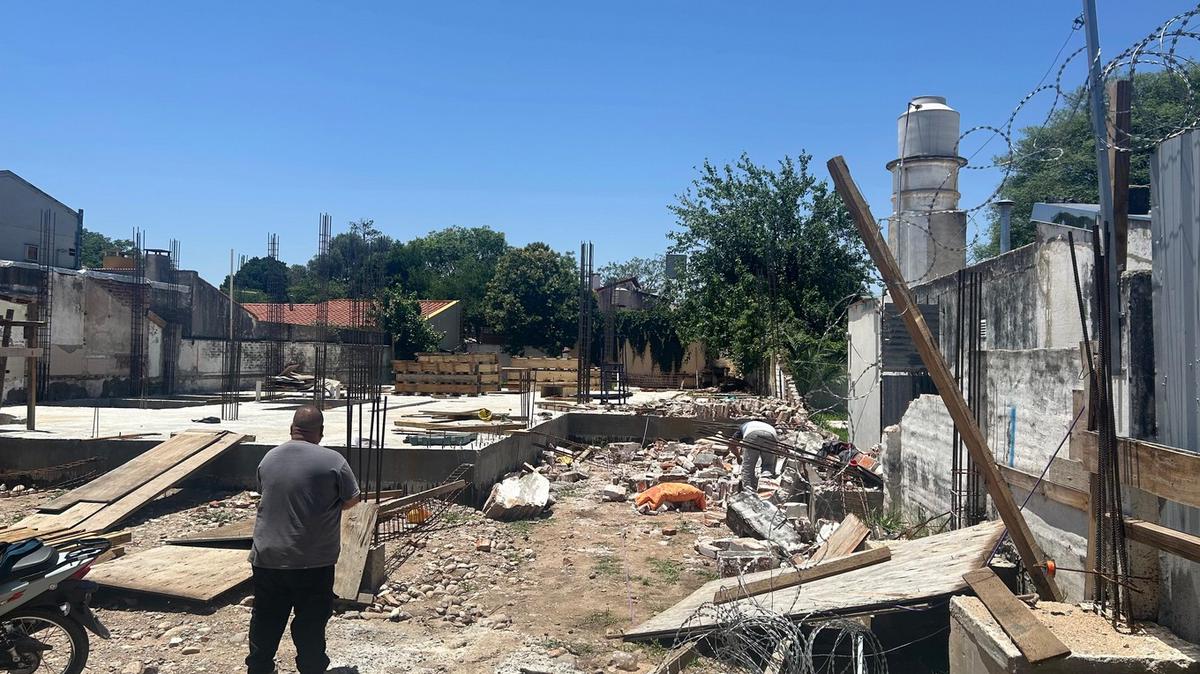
(532, 299)
(457, 263)
(94, 245)
(651, 272)
(261, 279)
(1056, 162)
(399, 314)
(772, 254)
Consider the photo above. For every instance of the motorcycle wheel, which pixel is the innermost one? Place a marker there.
(67, 641)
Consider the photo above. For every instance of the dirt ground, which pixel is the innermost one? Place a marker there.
(479, 596)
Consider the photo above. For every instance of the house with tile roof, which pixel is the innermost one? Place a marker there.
(444, 316)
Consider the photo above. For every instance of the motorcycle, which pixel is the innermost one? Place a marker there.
(44, 606)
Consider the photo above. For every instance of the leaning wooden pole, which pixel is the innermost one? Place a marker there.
(931, 356)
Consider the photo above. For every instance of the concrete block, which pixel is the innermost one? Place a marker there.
(732, 563)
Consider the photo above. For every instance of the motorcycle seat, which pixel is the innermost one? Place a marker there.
(26, 558)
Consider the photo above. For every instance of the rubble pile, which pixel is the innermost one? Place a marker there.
(780, 413)
(445, 583)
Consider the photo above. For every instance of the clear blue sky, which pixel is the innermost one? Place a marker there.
(218, 122)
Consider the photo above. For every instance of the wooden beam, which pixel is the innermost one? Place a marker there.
(1163, 538)
(1035, 641)
(787, 579)
(19, 352)
(843, 541)
(939, 371)
(1058, 493)
(678, 659)
(405, 501)
(1093, 538)
(1120, 103)
(1164, 471)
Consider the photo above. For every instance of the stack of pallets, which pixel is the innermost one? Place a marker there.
(448, 373)
(552, 376)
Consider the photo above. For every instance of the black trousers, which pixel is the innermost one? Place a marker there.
(279, 592)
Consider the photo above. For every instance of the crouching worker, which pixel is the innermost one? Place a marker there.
(755, 441)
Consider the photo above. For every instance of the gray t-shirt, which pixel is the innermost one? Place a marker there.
(303, 487)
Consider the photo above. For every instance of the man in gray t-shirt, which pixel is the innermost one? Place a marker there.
(297, 538)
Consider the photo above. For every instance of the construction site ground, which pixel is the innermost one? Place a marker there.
(540, 595)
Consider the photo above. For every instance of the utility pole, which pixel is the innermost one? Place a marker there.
(1100, 131)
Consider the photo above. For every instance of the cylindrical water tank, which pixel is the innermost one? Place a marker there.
(929, 128)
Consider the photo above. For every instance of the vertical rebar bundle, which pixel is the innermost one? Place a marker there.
(232, 361)
(45, 303)
(583, 388)
(137, 318)
(171, 331)
(525, 386)
(362, 345)
(273, 362)
(321, 355)
(967, 506)
(1112, 551)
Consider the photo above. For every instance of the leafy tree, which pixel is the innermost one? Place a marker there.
(399, 314)
(772, 254)
(651, 272)
(457, 263)
(261, 279)
(1057, 162)
(532, 299)
(94, 245)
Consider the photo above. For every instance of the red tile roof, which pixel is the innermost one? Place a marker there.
(340, 311)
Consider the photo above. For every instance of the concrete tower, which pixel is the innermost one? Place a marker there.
(927, 232)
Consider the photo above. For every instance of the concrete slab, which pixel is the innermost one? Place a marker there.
(268, 421)
(979, 646)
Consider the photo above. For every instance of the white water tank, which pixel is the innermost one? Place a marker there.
(928, 128)
(927, 231)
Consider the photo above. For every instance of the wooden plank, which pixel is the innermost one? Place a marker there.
(1163, 538)
(1164, 471)
(1058, 493)
(412, 499)
(832, 567)
(71, 517)
(19, 352)
(183, 572)
(237, 532)
(919, 570)
(134, 500)
(1093, 538)
(1031, 554)
(1035, 641)
(136, 472)
(678, 659)
(358, 532)
(844, 540)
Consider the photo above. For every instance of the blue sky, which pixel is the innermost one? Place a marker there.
(216, 123)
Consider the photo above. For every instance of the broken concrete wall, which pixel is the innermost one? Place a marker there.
(1027, 405)
(925, 464)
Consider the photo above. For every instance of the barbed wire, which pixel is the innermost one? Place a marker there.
(1169, 36)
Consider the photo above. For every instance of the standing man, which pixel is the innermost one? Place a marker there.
(297, 538)
(748, 444)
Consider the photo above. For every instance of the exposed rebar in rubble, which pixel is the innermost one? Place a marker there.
(412, 523)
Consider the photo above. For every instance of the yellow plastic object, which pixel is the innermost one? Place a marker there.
(418, 515)
(485, 414)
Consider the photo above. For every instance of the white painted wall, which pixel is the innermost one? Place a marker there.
(863, 345)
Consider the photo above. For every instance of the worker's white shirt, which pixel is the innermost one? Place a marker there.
(758, 429)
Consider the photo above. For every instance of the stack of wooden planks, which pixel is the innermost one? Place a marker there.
(559, 374)
(477, 420)
(103, 503)
(446, 373)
